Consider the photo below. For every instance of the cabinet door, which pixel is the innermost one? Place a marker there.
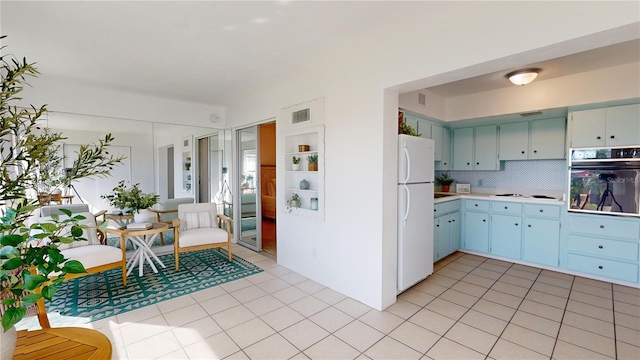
(588, 128)
(486, 148)
(541, 241)
(454, 232)
(436, 135)
(463, 149)
(424, 129)
(623, 125)
(514, 141)
(442, 241)
(476, 231)
(506, 236)
(547, 139)
(445, 164)
(412, 121)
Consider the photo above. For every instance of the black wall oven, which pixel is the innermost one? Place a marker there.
(605, 181)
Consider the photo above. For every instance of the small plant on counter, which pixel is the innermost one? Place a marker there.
(408, 129)
(444, 179)
(294, 202)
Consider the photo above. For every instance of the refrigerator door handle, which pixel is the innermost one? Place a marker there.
(408, 206)
(406, 155)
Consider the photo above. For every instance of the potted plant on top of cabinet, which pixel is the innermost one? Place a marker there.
(444, 180)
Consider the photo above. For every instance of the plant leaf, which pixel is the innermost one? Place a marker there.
(73, 267)
(32, 282)
(30, 299)
(48, 292)
(11, 240)
(12, 316)
(13, 263)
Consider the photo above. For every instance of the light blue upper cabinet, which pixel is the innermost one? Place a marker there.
(412, 121)
(547, 139)
(623, 125)
(486, 148)
(612, 126)
(436, 135)
(424, 129)
(514, 141)
(463, 149)
(445, 163)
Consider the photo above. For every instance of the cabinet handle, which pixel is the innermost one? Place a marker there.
(454, 220)
(468, 164)
(535, 151)
(438, 225)
(484, 220)
(598, 138)
(613, 137)
(600, 267)
(477, 163)
(449, 221)
(523, 152)
(505, 208)
(529, 225)
(541, 210)
(445, 163)
(516, 224)
(476, 205)
(601, 226)
(599, 246)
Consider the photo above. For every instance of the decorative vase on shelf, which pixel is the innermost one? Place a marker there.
(304, 185)
(295, 167)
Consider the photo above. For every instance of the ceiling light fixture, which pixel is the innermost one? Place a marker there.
(523, 77)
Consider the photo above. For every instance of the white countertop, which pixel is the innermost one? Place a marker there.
(483, 196)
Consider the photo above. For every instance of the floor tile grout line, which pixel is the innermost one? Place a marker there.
(555, 343)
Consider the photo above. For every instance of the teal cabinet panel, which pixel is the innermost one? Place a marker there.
(506, 207)
(604, 226)
(436, 135)
(445, 163)
(479, 205)
(588, 128)
(506, 236)
(623, 125)
(463, 149)
(476, 231)
(546, 211)
(541, 241)
(624, 250)
(448, 206)
(603, 267)
(547, 139)
(486, 148)
(424, 129)
(514, 141)
(454, 232)
(441, 241)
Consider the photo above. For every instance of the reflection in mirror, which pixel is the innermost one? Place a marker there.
(247, 169)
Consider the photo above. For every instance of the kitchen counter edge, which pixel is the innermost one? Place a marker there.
(481, 196)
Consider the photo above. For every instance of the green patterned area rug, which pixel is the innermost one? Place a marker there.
(102, 295)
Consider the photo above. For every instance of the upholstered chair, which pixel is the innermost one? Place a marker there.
(199, 227)
(168, 210)
(48, 210)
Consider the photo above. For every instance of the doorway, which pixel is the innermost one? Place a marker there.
(257, 187)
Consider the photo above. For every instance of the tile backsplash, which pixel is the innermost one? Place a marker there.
(526, 175)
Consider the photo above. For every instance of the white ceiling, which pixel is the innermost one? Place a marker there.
(203, 51)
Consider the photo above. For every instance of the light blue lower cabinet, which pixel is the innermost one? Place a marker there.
(446, 235)
(603, 267)
(541, 241)
(506, 236)
(476, 231)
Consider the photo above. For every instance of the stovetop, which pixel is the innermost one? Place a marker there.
(525, 196)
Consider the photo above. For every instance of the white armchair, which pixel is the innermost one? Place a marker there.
(199, 227)
(94, 256)
(168, 210)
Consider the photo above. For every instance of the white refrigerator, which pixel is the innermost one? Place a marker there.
(415, 210)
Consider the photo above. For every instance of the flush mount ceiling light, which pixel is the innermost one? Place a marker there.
(523, 77)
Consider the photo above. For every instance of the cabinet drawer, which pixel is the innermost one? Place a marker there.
(506, 207)
(602, 267)
(448, 207)
(481, 205)
(548, 211)
(603, 226)
(604, 247)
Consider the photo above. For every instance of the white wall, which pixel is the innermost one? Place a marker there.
(435, 105)
(355, 244)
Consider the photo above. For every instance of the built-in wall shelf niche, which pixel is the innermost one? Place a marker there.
(186, 170)
(304, 144)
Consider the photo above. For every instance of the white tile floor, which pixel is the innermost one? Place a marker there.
(470, 308)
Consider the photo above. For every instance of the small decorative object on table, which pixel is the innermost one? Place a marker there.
(296, 163)
(444, 180)
(132, 199)
(313, 162)
(303, 148)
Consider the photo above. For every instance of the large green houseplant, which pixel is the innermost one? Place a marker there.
(30, 254)
(131, 199)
